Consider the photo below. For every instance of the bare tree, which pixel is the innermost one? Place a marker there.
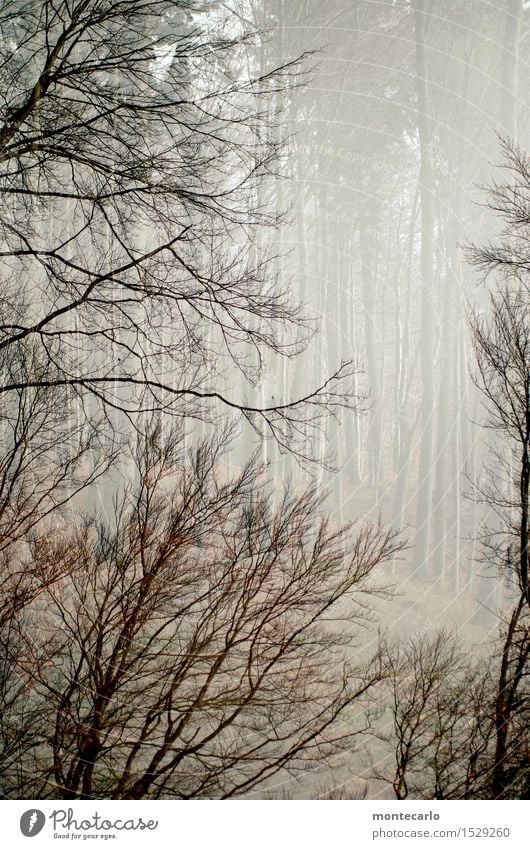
(460, 730)
(431, 691)
(502, 350)
(48, 459)
(135, 145)
(510, 774)
(455, 728)
(203, 645)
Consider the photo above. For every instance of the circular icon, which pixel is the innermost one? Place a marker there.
(32, 822)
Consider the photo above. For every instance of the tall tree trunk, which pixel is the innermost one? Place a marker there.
(368, 253)
(426, 180)
(514, 667)
(510, 59)
(406, 419)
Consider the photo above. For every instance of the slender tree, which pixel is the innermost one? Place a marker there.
(502, 349)
(461, 731)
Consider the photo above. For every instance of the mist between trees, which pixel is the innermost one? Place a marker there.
(233, 277)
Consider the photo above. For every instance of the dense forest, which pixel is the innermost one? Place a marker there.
(265, 399)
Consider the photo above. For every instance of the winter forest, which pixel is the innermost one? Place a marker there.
(264, 399)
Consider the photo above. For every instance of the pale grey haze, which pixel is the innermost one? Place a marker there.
(396, 138)
(245, 283)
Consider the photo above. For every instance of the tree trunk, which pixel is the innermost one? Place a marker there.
(510, 59)
(426, 181)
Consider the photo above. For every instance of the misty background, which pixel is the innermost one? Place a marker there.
(393, 117)
(395, 140)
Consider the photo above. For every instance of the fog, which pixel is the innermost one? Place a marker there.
(395, 139)
(335, 155)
